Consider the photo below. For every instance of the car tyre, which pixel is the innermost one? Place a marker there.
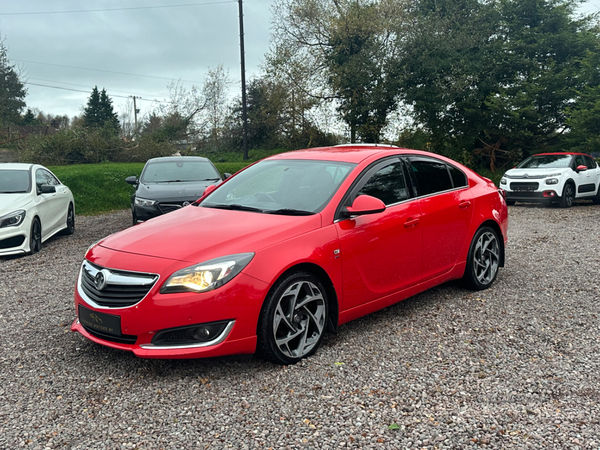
(293, 319)
(134, 217)
(70, 229)
(596, 199)
(568, 196)
(484, 259)
(511, 202)
(35, 237)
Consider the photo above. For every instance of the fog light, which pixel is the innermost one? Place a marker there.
(191, 334)
(549, 194)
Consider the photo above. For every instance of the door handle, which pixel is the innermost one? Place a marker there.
(464, 204)
(411, 222)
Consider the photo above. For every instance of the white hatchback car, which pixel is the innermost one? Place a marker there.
(553, 177)
(34, 206)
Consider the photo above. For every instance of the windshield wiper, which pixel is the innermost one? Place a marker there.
(290, 212)
(235, 207)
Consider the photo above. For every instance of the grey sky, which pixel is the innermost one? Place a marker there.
(56, 46)
(56, 43)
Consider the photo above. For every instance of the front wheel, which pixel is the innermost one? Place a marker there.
(35, 237)
(511, 202)
(70, 229)
(566, 201)
(596, 199)
(484, 259)
(293, 319)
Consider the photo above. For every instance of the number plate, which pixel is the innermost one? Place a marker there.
(100, 322)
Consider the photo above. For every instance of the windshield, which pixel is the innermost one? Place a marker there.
(179, 171)
(546, 162)
(292, 187)
(14, 181)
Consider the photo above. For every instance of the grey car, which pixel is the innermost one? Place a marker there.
(169, 183)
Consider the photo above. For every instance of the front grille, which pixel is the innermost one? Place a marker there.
(114, 288)
(525, 194)
(168, 207)
(524, 187)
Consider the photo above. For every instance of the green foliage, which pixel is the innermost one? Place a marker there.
(361, 75)
(501, 80)
(12, 90)
(101, 188)
(99, 111)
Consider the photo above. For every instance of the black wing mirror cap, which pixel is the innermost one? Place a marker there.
(131, 180)
(46, 189)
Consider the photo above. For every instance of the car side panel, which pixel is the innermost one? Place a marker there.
(446, 220)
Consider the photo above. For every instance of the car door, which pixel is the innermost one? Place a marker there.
(48, 204)
(593, 172)
(381, 253)
(584, 180)
(446, 206)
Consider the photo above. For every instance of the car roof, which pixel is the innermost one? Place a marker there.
(178, 158)
(352, 153)
(16, 166)
(561, 153)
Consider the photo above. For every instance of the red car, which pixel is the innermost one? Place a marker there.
(289, 248)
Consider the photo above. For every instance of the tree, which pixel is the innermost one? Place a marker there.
(347, 48)
(215, 93)
(494, 81)
(99, 111)
(12, 90)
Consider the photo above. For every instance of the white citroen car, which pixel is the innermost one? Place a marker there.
(553, 177)
(34, 206)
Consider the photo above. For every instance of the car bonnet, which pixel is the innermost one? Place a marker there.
(197, 234)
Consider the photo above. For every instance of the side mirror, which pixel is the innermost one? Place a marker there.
(208, 190)
(364, 204)
(46, 189)
(131, 180)
(226, 175)
(581, 168)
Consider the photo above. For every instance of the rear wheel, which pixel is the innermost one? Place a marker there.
(484, 259)
(568, 196)
(35, 237)
(292, 322)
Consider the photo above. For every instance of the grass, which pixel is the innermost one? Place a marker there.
(101, 188)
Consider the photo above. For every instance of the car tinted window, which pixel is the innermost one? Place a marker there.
(179, 171)
(590, 162)
(459, 179)
(14, 181)
(274, 185)
(388, 184)
(431, 175)
(546, 162)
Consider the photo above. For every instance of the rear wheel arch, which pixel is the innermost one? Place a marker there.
(494, 225)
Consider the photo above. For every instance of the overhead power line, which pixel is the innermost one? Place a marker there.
(86, 86)
(31, 13)
(88, 92)
(105, 71)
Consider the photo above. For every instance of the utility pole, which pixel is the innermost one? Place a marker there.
(135, 113)
(244, 111)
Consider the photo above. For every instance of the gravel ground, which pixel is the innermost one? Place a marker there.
(516, 366)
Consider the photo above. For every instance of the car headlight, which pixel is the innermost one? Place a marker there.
(14, 219)
(208, 275)
(144, 202)
(552, 181)
(503, 180)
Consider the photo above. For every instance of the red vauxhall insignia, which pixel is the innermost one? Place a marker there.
(289, 248)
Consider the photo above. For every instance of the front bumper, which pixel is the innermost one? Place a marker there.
(238, 303)
(547, 196)
(15, 240)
